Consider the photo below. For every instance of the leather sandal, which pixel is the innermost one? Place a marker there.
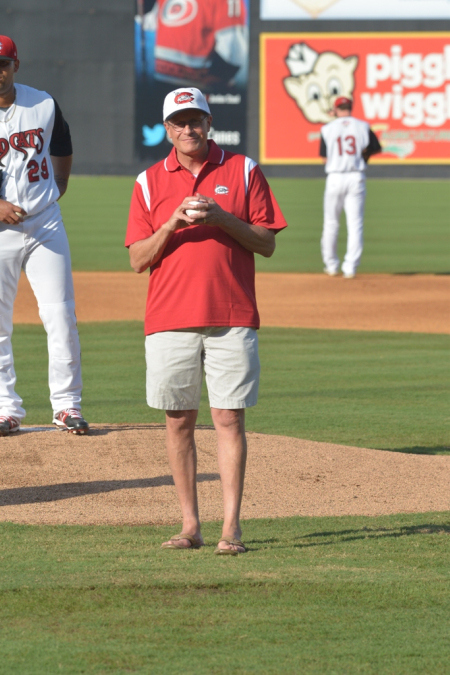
(230, 551)
(195, 543)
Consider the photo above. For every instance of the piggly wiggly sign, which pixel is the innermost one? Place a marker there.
(399, 83)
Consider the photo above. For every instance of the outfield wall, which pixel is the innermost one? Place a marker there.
(82, 52)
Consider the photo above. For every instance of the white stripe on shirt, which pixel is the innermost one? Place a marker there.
(142, 180)
(249, 165)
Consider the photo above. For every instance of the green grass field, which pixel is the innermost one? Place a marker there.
(322, 596)
(313, 595)
(375, 390)
(406, 225)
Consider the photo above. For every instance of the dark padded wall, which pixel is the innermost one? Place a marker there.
(82, 53)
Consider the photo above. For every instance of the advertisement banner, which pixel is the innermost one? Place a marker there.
(354, 9)
(196, 43)
(399, 83)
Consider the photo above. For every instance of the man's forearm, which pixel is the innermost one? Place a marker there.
(254, 238)
(61, 170)
(147, 252)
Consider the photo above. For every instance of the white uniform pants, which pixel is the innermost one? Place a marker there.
(39, 246)
(343, 191)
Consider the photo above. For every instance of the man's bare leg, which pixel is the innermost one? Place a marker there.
(232, 455)
(182, 454)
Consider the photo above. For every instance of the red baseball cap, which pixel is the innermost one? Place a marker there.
(343, 100)
(8, 50)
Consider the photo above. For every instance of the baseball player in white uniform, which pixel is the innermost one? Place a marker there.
(346, 143)
(35, 163)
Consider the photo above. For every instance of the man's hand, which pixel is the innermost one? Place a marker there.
(208, 211)
(255, 238)
(179, 219)
(11, 214)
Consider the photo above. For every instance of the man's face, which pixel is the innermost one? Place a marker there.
(188, 131)
(343, 112)
(7, 70)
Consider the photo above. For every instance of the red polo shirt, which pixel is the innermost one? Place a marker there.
(204, 277)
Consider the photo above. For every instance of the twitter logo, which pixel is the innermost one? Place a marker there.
(153, 135)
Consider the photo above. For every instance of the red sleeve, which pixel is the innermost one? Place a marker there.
(262, 206)
(139, 224)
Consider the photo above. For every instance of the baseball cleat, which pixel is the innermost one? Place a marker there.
(350, 275)
(71, 420)
(8, 425)
(331, 273)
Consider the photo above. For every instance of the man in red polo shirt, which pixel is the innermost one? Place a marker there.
(196, 220)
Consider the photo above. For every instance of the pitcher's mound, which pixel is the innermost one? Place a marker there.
(120, 475)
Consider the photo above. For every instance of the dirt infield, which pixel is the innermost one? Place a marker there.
(119, 475)
(405, 303)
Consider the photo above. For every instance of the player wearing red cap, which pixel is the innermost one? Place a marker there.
(346, 144)
(35, 163)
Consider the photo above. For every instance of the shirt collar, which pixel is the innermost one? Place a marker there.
(215, 156)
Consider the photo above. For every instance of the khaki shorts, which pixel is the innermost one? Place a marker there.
(176, 359)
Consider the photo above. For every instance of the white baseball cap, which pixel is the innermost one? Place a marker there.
(185, 98)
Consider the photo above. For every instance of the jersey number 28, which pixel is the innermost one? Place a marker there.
(347, 145)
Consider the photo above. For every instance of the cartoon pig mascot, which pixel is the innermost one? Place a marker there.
(317, 79)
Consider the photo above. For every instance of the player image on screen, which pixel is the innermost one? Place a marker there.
(197, 41)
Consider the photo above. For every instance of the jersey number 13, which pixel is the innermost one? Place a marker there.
(347, 145)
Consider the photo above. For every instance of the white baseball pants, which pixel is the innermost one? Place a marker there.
(40, 247)
(343, 191)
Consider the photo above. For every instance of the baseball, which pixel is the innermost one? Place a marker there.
(193, 212)
(18, 214)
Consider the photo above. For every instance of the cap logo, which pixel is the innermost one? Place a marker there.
(177, 13)
(10, 50)
(184, 97)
